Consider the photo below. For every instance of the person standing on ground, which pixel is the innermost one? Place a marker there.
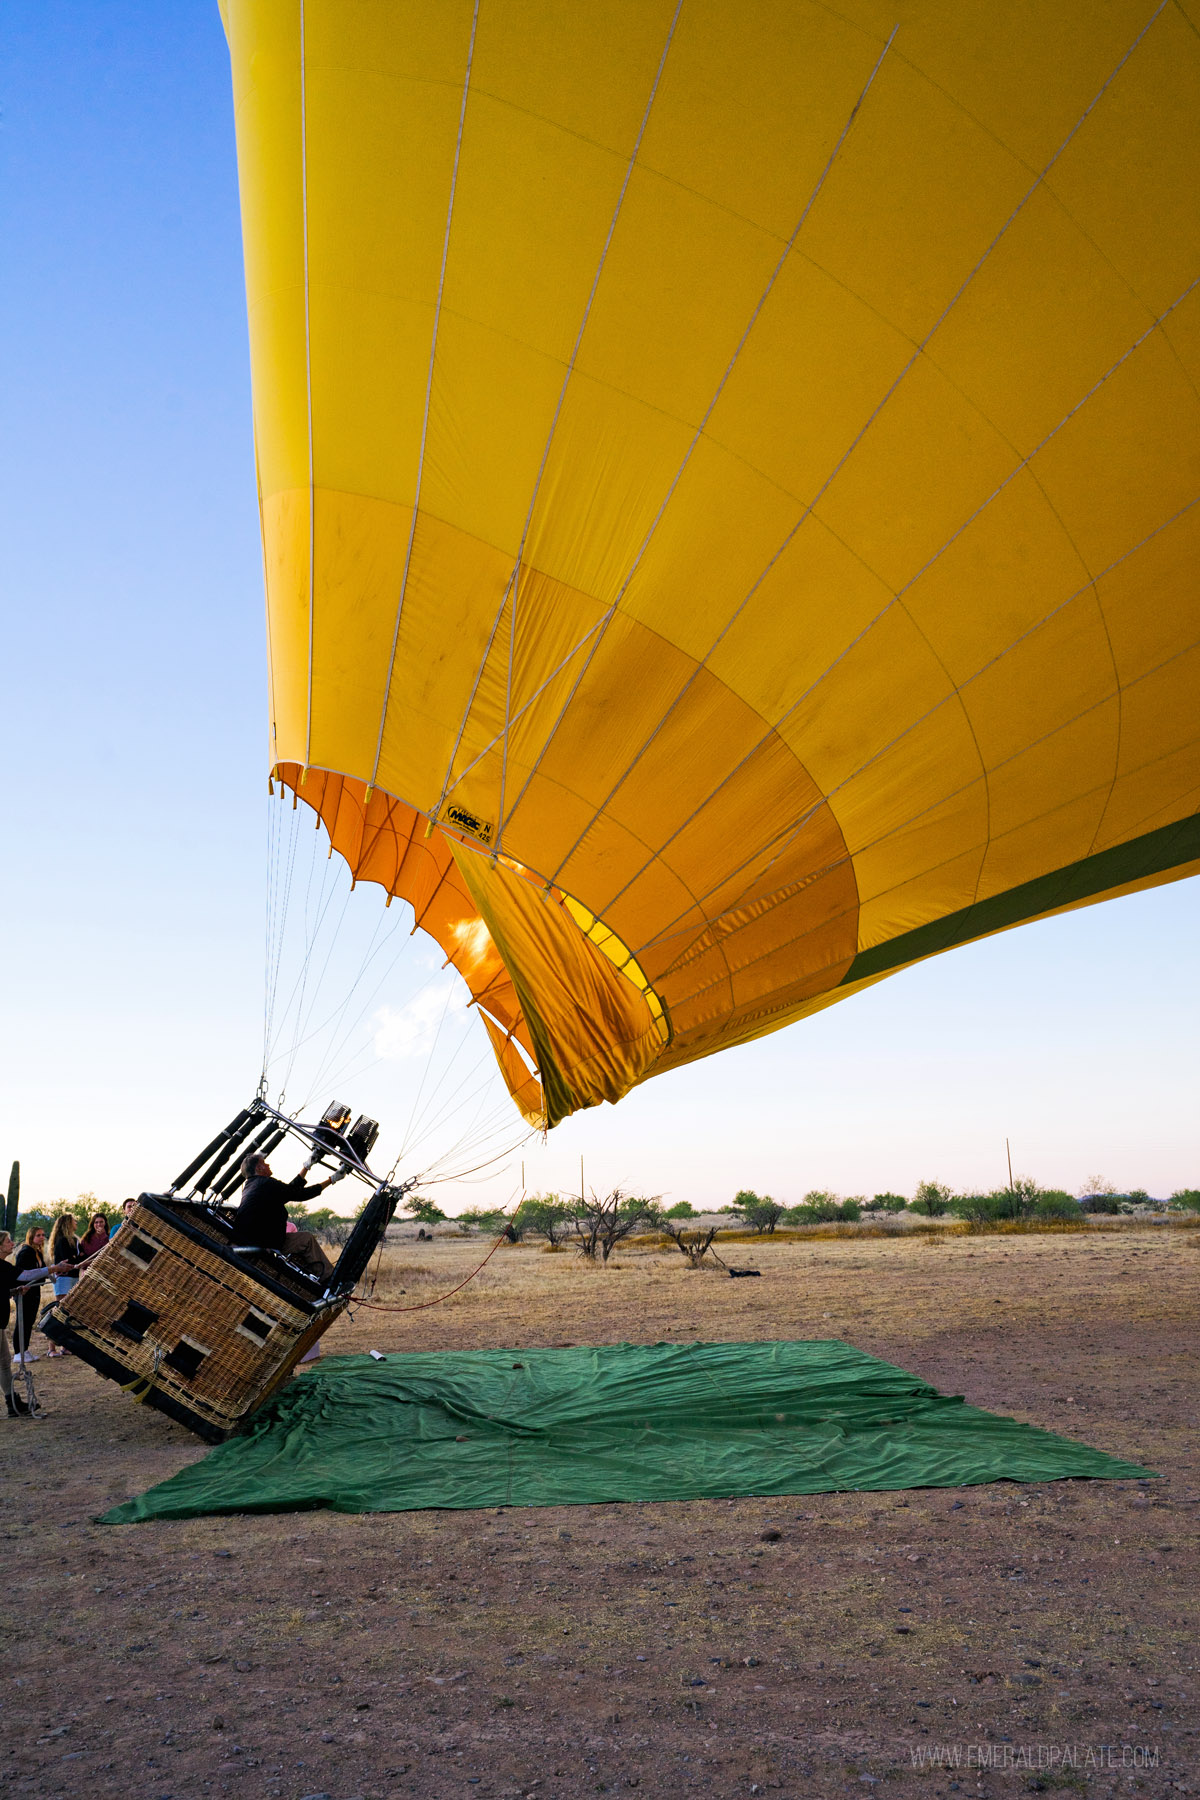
(97, 1237)
(11, 1281)
(29, 1258)
(66, 1254)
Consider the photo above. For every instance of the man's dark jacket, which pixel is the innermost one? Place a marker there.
(262, 1216)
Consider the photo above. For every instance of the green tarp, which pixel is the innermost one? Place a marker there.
(472, 1428)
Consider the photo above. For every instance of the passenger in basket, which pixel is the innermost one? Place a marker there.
(262, 1218)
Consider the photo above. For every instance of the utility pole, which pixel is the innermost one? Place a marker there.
(1008, 1153)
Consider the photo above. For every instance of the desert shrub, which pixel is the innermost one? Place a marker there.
(423, 1211)
(980, 1209)
(1138, 1197)
(682, 1209)
(851, 1209)
(931, 1199)
(600, 1223)
(816, 1208)
(759, 1211)
(1054, 1204)
(544, 1214)
(1185, 1200)
(888, 1203)
(1099, 1203)
(491, 1220)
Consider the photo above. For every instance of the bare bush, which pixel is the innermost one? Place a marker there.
(599, 1224)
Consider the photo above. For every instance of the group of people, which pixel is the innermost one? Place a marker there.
(36, 1262)
(261, 1222)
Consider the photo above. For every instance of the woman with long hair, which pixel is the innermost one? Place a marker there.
(66, 1253)
(30, 1257)
(96, 1238)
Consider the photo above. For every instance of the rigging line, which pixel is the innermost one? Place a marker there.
(304, 928)
(431, 1123)
(281, 923)
(780, 265)
(312, 495)
(494, 1140)
(302, 1022)
(894, 599)
(913, 359)
(433, 342)
(272, 876)
(469, 1132)
(335, 1075)
(514, 580)
(449, 786)
(478, 1170)
(312, 935)
(431, 1179)
(420, 1305)
(491, 1113)
(337, 1018)
(467, 1035)
(303, 1017)
(274, 835)
(1038, 625)
(425, 1072)
(280, 867)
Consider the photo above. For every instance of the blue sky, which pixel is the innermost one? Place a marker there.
(133, 704)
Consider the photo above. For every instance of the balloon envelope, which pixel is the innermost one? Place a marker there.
(729, 485)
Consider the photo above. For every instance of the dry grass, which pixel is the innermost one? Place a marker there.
(789, 1647)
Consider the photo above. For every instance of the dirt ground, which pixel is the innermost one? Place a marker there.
(985, 1641)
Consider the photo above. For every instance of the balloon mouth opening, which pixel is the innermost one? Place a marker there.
(558, 1049)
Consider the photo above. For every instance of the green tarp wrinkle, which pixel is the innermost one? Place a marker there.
(485, 1428)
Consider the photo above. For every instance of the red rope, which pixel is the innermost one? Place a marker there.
(383, 1306)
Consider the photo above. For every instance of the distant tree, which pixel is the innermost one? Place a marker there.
(1185, 1200)
(1054, 1203)
(891, 1203)
(1100, 1203)
(544, 1214)
(682, 1209)
(36, 1219)
(932, 1198)
(1094, 1185)
(852, 1209)
(600, 1223)
(759, 1211)
(423, 1211)
(1138, 1197)
(817, 1208)
(492, 1220)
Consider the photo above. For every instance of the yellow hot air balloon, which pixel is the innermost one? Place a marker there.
(729, 485)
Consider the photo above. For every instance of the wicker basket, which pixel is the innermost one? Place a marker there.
(187, 1325)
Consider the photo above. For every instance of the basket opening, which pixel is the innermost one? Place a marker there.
(140, 1250)
(135, 1321)
(185, 1359)
(256, 1326)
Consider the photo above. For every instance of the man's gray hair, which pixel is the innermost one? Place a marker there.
(249, 1164)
